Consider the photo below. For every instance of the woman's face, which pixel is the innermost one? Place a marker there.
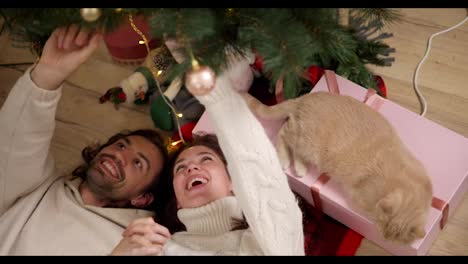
(200, 177)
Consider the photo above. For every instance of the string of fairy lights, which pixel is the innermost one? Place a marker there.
(199, 80)
(156, 73)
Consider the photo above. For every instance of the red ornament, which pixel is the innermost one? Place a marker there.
(122, 97)
(105, 97)
(381, 85)
(186, 132)
(314, 73)
(258, 63)
(114, 95)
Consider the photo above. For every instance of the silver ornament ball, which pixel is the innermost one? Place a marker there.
(90, 14)
(200, 81)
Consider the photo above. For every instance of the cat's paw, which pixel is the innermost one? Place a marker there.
(284, 160)
(301, 169)
(249, 99)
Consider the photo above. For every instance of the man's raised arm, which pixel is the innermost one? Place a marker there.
(27, 118)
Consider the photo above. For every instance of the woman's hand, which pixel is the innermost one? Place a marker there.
(65, 50)
(142, 237)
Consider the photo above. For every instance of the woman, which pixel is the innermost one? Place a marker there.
(238, 205)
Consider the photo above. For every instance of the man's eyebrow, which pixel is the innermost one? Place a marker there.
(146, 160)
(127, 141)
(204, 152)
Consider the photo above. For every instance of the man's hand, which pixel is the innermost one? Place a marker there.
(136, 245)
(142, 237)
(65, 50)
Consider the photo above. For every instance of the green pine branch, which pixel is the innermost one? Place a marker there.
(289, 40)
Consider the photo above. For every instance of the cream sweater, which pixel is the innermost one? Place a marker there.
(41, 213)
(261, 191)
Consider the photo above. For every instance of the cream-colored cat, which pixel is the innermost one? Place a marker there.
(358, 147)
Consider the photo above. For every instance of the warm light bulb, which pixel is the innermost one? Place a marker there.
(175, 143)
(180, 115)
(195, 64)
(141, 42)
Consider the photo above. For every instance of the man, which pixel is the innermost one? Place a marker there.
(42, 214)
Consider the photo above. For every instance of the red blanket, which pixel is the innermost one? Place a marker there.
(324, 236)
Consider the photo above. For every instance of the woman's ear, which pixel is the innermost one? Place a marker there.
(143, 200)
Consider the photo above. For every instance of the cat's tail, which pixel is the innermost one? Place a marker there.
(273, 112)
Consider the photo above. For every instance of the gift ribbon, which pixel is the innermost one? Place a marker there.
(442, 206)
(279, 91)
(315, 190)
(332, 84)
(370, 92)
(377, 101)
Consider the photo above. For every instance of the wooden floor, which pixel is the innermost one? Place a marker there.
(443, 80)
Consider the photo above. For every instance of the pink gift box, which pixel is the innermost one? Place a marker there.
(443, 152)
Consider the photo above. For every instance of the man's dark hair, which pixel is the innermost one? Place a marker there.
(90, 152)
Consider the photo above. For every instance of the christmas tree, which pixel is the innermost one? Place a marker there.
(288, 40)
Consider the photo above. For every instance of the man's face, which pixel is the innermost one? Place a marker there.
(122, 171)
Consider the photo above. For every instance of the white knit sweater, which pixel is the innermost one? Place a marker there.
(260, 185)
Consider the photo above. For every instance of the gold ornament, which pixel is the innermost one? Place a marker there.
(90, 14)
(200, 80)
